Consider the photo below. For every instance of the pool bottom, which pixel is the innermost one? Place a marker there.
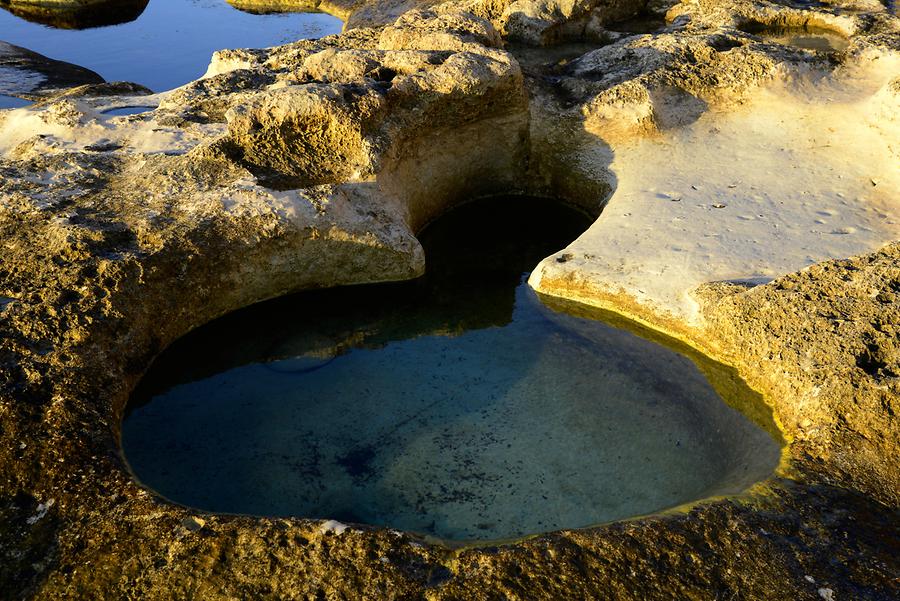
(457, 407)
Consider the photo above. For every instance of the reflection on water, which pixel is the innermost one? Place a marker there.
(456, 406)
(165, 44)
(97, 14)
(267, 7)
(127, 110)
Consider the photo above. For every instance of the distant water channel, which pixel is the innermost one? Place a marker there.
(456, 406)
(160, 44)
(11, 102)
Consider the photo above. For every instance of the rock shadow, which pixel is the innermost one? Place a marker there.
(805, 35)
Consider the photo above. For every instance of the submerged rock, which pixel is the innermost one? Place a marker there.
(27, 74)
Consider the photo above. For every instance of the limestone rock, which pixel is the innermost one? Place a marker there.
(337, 127)
(426, 30)
(544, 22)
(315, 133)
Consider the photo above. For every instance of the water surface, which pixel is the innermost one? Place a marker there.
(11, 102)
(168, 44)
(123, 111)
(456, 406)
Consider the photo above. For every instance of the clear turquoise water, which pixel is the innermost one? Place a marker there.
(169, 44)
(456, 406)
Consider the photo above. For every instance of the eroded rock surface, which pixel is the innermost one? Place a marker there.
(314, 164)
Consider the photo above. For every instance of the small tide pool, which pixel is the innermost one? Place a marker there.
(457, 406)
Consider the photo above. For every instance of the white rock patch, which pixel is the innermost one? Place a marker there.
(332, 526)
(807, 172)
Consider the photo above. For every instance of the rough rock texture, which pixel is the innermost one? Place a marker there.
(834, 329)
(544, 22)
(314, 164)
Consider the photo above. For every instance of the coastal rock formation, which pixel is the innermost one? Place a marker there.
(27, 74)
(315, 163)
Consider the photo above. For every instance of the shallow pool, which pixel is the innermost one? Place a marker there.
(456, 406)
(169, 42)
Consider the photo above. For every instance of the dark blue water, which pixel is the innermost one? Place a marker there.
(11, 102)
(127, 110)
(457, 406)
(169, 44)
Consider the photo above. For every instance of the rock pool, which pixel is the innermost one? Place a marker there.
(456, 406)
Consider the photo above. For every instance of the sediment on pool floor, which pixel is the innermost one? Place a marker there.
(456, 406)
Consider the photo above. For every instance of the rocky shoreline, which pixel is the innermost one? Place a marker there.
(313, 165)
